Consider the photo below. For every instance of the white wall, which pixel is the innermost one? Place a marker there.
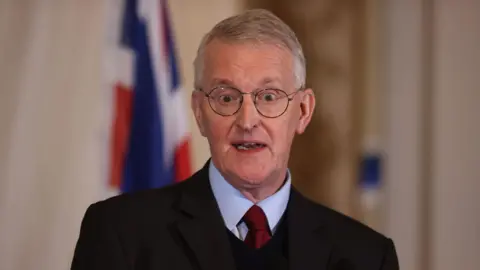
(455, 197)
(53, 128)
(433, 117)
(403, 79)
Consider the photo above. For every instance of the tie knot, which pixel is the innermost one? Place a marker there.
(255, 219)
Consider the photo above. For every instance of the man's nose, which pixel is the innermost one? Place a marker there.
(247, 116)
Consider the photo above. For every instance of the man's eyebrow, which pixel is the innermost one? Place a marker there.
(221, 81)
(265, 82)
(270, 80)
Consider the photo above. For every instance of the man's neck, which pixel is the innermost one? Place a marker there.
(260, 193)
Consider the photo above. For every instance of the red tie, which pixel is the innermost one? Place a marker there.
(258, 230)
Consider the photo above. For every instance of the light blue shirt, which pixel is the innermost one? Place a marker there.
(233, 205)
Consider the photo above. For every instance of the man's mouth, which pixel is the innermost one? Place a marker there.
(248, 145)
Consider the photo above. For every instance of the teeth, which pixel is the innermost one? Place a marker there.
(246, 146)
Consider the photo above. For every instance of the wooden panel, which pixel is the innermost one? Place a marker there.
(324, 160)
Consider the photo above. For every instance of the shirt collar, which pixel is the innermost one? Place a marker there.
(233, 205)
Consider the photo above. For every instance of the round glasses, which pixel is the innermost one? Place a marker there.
(227, 101)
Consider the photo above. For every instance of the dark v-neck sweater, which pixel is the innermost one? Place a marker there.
(273, 255)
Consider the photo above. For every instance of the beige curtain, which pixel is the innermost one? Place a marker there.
(53, 127)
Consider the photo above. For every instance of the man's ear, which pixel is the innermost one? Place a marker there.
(307, 107)
(196, 104)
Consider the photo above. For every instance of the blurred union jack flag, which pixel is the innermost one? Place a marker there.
(149, 142)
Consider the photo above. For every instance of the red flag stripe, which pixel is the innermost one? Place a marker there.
(120, 133)
(182, 160)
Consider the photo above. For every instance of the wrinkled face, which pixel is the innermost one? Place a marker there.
(249, 149)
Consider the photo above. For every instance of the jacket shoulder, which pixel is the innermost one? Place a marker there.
(141, 202)
(345, 230)
(355, 242)
(157, 205)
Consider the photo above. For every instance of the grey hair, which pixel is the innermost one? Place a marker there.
(255, 25)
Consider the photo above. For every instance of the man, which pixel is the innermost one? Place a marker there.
(240, 210)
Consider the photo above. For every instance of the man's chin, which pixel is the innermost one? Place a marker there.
(253, 175)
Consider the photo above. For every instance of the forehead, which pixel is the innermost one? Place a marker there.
(247, 64)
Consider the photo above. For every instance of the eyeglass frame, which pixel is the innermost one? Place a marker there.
(254, 95)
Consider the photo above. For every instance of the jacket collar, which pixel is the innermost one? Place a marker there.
(203, 228)
(308, 239)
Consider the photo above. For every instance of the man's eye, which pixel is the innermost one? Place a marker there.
(268, 96)
(226, 99)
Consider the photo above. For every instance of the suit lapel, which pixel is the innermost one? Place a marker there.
(309, 245)
(202, 226)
